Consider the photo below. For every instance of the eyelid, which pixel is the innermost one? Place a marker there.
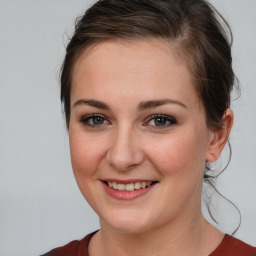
(85, 118)
(160, 115)
(170, 119)
(85, 121)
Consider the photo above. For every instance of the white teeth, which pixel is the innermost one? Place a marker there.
(114, 185)
(120, 186)
(130, 186)
(137, 185)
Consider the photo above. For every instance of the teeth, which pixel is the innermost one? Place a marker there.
(120, 186)
(137, 185)
(130, 186)
(114, 185)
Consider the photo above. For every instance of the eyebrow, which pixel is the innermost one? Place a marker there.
(156, 103)
(93, 103)
(142, 106)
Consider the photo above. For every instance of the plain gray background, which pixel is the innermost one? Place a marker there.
(41, 206)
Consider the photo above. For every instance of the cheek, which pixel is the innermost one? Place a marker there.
(178, 155)
(86, 153)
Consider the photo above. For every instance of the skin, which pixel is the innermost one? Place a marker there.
(129, 144)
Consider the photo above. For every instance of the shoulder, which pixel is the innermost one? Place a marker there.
(231, 246)
(68, 249)
(74, 248)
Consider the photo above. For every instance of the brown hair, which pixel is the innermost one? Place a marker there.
(194, 27)
(191, 26)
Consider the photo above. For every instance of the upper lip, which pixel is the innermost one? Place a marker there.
(128, 181)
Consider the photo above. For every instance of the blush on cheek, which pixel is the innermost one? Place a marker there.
(177, 156)
(82, 160)
(86, 152)
(170, 156)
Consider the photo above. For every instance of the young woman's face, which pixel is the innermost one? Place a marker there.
(136, 121)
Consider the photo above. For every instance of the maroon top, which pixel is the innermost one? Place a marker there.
(229, 246)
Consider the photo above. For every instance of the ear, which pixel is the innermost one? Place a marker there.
(219, 137)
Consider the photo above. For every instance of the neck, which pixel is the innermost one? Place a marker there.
(193, 237)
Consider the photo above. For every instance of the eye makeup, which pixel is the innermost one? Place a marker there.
(156, 121)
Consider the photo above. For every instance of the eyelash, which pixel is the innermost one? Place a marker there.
(85, 121)
(169, 119)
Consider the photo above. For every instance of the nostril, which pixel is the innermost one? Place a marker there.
(124, 154)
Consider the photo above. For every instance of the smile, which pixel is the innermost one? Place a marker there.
(130, 186)
(127, 190)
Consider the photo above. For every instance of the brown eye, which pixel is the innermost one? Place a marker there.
(97, 120)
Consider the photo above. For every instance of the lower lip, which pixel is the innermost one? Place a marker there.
(126, 195)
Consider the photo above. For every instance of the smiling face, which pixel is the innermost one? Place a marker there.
(136, 117)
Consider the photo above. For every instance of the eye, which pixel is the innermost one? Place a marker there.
(94, 120)
(160, 121)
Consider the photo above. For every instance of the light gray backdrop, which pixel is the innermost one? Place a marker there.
(41, 206)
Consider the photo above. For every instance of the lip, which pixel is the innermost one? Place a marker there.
(126, 195)
(127, 181)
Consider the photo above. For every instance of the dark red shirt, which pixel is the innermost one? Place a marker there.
(229, 246)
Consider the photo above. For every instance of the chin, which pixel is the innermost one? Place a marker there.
(127, 223)
(129, 229)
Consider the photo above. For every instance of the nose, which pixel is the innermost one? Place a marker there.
(125, 151)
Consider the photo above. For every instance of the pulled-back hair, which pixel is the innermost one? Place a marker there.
(193, 28)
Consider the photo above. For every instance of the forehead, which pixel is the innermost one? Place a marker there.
(150, 51)
(146, 68)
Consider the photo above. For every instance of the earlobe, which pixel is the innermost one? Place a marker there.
(220, 137)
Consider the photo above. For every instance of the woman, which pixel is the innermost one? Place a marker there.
(146, 89)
